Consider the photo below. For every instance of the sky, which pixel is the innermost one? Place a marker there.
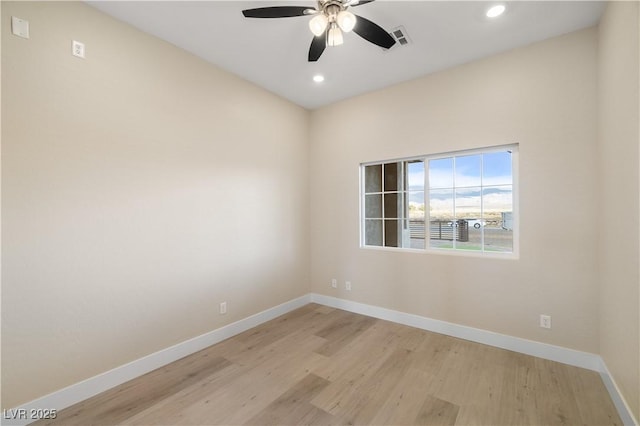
(469, 172)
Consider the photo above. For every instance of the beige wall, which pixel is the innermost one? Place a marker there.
(542, 97)
(618, 154)
(141, 187)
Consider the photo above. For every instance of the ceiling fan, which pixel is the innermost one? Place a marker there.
(330, 19)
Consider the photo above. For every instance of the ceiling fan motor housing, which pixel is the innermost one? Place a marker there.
(331, 8)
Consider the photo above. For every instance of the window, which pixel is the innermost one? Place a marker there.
(393, 193)
(469, 195)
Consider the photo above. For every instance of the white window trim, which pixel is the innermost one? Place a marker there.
(515, 170)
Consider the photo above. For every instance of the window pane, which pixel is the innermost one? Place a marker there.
(498, 207)
(441, 220)
(373, 178)
(441, 233)
(441, 204)
(415, 175)
(416, 204)
(391, 176)
(373, 232)
(392, 233)
(392, 205)
(406, 239)
(416, 222)
(468, 203)
(373, 206)
(441, 173)
(496, 169)
(468, 168)
(416, 233)
(469, 214)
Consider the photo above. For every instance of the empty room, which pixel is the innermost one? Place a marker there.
(320, 212)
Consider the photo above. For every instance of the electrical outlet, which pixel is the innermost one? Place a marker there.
(19, 27)
(545, 321)
(334, 283)
(347, 285)
(77, 49)
(223, 308)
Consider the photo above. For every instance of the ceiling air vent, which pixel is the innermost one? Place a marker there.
(400, 35)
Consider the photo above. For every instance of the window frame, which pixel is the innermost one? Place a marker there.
(514, 254)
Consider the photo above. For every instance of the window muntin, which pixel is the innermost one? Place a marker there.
(469, 195)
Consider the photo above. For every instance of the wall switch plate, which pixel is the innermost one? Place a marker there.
(19, 27)
(223, 308)
(334, 283)
(347, 285)
(77, 49)
(545, 321)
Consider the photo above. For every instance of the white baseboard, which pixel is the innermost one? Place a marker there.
(90, 387)
(529, 347)
(86, 389)
(516, 344)
(619, 401)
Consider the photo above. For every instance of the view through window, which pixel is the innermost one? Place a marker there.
(458, 201)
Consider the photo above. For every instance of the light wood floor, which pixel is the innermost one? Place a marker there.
(318, 365)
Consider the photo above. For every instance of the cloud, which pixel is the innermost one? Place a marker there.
(471, 201)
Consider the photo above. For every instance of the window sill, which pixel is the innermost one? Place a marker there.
(447, 252)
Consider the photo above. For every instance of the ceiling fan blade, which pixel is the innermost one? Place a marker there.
(277, 12)
(318, 44)
(360, 3)
(373, 33)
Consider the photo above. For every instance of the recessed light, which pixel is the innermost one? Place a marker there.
(318, 78)
(495, 11)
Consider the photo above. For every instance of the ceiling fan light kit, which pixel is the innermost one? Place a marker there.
(318, 24)
(334, 36)
(346, 21)
(331, 18)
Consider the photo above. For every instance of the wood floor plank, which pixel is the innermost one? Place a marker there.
(405, 401)
(358, 400)
(593, 408)
(324, 309)
(250, 391)
(558, 406)
(293, 406)
(459, 368)
(324, 366)
(343, 331)
(437, 412)
(139, 394)
(181, 400)
(337, 320)
(405, 404)
(502, 391)
(305, 320)
(362, 355)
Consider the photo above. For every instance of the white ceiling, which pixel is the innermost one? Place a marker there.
(272, 53)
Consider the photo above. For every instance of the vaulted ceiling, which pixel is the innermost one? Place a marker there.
(272, 53)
